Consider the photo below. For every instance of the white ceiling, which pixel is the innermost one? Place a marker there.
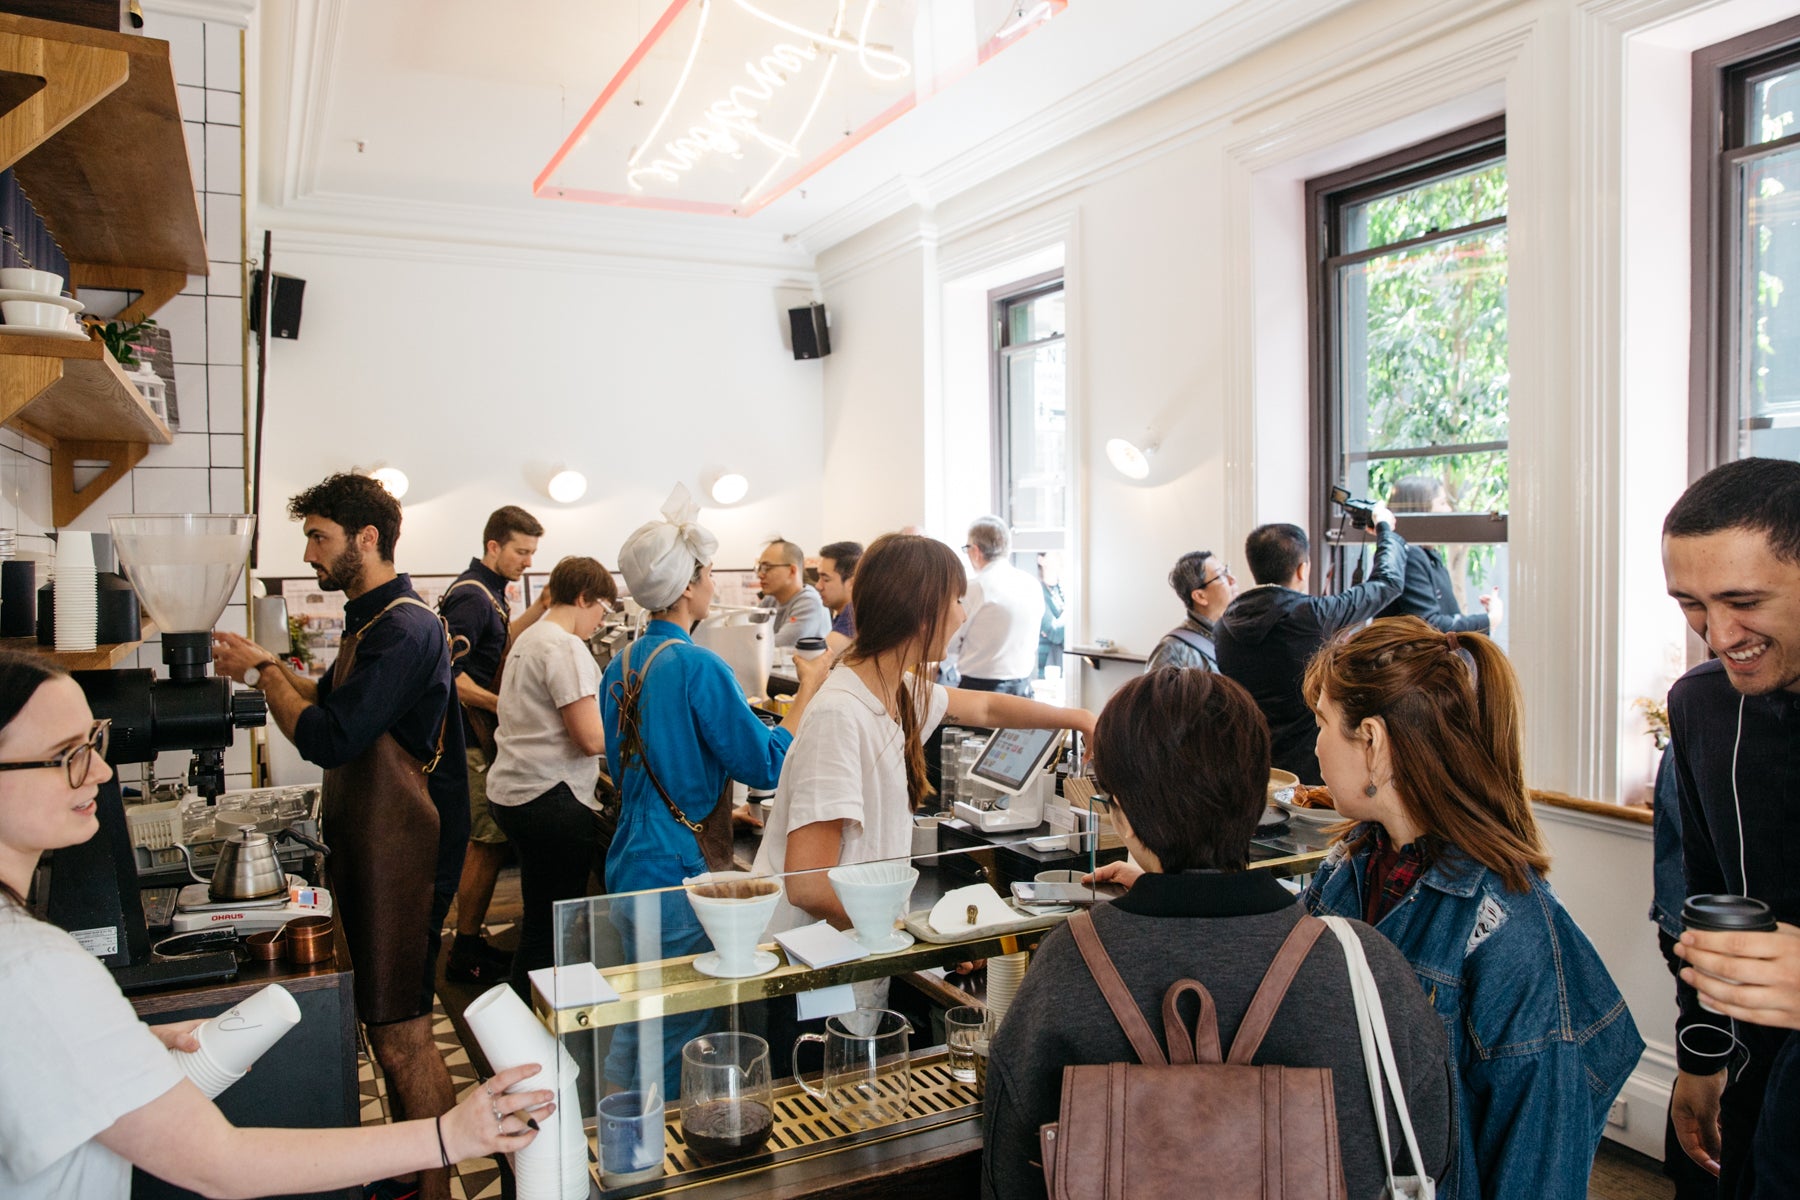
(431, 116)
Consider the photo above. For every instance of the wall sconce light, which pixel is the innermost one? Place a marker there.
(567, 486)
(729, 488)
(393, 479)
(1127, 459)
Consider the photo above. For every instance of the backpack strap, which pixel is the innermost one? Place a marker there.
(1261, 1013)
(1204, 1048)
(1113, 989)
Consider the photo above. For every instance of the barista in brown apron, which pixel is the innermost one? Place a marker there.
(382, 827)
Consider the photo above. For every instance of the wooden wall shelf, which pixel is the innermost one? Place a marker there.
(100, 658)
(75, 400)
(101, 153)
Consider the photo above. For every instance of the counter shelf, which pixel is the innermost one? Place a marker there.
(937, 1140)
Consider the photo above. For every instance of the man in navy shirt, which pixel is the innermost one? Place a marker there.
(396, 809)
(482, 628)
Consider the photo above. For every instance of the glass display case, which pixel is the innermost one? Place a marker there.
(677, 1018)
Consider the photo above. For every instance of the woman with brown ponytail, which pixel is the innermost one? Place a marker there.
(855, 774)
(1419, 743)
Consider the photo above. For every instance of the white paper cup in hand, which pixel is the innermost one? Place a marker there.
(231, 1042)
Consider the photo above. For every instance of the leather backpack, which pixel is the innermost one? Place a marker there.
(1164, 1127)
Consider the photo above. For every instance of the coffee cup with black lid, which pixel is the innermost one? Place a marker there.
(1724, 913)
(809, 647)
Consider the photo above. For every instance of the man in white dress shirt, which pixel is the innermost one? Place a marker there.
(996, 648)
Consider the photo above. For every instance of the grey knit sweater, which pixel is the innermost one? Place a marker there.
(1222, 929)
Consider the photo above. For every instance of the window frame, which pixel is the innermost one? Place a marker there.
(1723, 74)
(1327, 196)
(1000, 353)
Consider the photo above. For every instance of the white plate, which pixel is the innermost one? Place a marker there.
(899, 941)
(41, 298)
(762, 964)
(1312, 816)
(67, 335)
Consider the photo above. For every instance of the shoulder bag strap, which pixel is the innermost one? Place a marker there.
(1378, 1050)
(628, 692)
(1274, 987)
(1113, 989)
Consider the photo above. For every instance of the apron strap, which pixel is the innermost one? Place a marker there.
(444, 725)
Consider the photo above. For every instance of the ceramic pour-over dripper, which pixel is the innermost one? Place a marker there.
(874, 896)
(734, 908)
(184, 567)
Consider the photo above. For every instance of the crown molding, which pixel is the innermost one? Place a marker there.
(221, 12)
(1238, 31)
(409, 243)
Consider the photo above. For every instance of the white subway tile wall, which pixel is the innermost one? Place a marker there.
(203, 471)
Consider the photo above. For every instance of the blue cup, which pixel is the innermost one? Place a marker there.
(631, 1139)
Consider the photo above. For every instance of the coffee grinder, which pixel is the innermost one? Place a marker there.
(184, 567)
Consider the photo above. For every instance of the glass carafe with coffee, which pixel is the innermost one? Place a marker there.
(727, 1098)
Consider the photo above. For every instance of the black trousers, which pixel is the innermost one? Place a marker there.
(1776, 1154)
(558, 840)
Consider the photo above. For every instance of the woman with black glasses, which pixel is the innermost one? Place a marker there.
(86, 1089)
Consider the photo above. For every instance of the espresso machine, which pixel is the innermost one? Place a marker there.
(184, 567)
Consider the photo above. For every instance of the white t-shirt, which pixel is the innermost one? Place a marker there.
(74, 1058)
(848, 761)
(1003, 610)
(548, 668)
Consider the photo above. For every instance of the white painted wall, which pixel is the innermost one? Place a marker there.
(479, 379)
(1191, 305)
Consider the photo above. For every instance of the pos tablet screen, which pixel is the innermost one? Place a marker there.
(1012, 758)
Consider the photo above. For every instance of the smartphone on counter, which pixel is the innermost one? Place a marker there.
(1060, 893)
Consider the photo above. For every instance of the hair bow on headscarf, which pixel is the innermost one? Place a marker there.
(659, 559)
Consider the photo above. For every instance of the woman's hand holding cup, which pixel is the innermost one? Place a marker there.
(493, 1121)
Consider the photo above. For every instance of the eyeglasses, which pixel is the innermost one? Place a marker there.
(76, 760)
(763, 568)
(1224, 573)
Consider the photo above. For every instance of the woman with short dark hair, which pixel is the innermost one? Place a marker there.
(547, 756)
(1419, 743)
(1184, 755)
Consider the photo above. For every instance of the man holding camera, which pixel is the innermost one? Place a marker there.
(1269, 634)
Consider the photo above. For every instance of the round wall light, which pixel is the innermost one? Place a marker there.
(393, 479)
(730, 488)
(1127, 459)
(566, 486)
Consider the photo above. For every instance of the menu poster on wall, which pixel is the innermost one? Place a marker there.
(321, 613)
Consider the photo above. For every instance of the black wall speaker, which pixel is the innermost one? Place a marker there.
(284, 309)
(812, 336)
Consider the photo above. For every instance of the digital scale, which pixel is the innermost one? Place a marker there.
(194, 909)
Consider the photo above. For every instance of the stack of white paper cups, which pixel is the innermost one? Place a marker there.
(236, 1038)
(555, 1165)
(1005, 972)
(77, 594)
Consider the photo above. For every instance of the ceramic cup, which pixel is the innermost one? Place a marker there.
(24, 279)
(41, 316)
(631, 1139)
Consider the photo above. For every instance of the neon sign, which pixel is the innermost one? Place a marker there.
(745, 108)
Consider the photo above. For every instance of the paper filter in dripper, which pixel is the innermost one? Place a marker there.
(183, 565)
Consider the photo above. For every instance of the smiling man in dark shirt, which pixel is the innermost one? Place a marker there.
(395, 809)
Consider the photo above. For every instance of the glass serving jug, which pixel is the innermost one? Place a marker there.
(868, 1067)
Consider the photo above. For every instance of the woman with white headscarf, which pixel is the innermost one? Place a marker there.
(677, 732)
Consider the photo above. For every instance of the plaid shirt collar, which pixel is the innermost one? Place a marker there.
(1393, 870)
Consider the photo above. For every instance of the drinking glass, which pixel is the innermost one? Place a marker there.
(962, 1029)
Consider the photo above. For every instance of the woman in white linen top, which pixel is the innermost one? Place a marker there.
(86, 1089)
(856, 771)
(547, 757)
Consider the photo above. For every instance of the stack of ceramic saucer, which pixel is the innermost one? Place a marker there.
(77, 592)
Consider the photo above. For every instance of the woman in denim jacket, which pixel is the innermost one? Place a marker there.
(1419, 742)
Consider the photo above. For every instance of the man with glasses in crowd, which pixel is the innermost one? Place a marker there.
(1206, 586)
(799, 612)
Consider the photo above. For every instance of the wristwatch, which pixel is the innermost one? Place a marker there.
(255, 673)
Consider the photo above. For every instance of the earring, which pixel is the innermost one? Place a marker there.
(1370, 789)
